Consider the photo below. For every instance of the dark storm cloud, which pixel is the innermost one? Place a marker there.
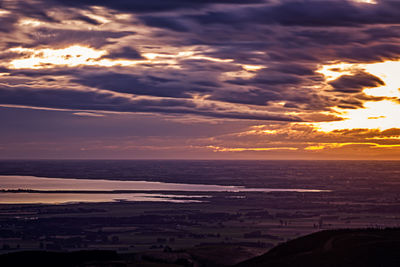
(165, 22)
(318, 37)
(356, 83)
(296, 69)
(289, 38)
(103, 101)
(321, 13)
(133, 84)
(7, 23)
(31, 9)
(4, 70)
(62, 37)
(350, 104)
(319, 25)
(268, 80)
(314, 13)
(125, 52)
(168, 84)
(252, 96)
(207, 83)
(54, 72)
(12, 55)
(150, 5)
(281, 76)
(280, 82)
(292, 56)
(385, 32)
(87, 19)
(371, 53)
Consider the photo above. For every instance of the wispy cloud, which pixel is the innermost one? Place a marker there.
(311, 68)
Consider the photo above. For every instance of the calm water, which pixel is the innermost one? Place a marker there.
(156, 178)
(15, 182)
(40, 183)
(56, 198)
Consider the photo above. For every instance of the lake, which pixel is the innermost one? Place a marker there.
(63, 190)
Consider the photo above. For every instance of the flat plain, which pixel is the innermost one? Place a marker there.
(234, 225)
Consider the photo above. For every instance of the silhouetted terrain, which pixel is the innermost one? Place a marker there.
(364, 248)
(61, 259)
(350, 247)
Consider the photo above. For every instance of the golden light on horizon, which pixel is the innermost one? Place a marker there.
(366, 1)
(322, 146)
(389, 72)
(41, 58)
(334, 71)
(252, 67)
(77, 55)
(30, 22)
(4, 12)
(381, 114)
(243, 149)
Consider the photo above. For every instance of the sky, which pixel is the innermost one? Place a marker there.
(200, 79)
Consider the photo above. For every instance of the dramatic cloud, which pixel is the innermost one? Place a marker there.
(356, 83)
(124, 52)
(149, 6)
(316, 75)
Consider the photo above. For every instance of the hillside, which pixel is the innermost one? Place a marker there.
(352, 247)
(329, 248)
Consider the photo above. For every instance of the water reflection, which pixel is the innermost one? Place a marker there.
(39, 183)
(56, 198)
(11, 182)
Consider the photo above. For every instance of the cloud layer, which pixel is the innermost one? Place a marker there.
(261, 61)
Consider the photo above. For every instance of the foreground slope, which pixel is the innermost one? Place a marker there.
(350, 247)
(330, 248)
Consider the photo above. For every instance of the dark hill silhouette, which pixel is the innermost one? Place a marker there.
(329, 248)
(61, 259)
(332, 248)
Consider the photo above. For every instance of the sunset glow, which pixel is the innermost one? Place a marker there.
(199, 132)
(366, 1)
(77, 55)
(179, 81)
(376, 114)
(46, 58)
